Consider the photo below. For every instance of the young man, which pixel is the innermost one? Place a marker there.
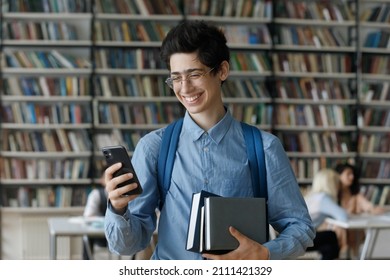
(211, 155)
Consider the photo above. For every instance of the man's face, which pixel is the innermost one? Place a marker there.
(194, 85)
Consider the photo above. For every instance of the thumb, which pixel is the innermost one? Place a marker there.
(236, 234)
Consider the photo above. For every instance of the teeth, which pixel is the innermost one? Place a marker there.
(191, 98)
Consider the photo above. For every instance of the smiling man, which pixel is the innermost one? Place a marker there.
(211, 156)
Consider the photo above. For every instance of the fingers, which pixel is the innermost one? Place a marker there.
(115, 195)
(112, 182)
(108, 175)
(247, 249)
(233, 254)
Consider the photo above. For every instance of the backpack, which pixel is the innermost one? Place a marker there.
(255, 152)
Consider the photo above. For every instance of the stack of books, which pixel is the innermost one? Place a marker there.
(212, 215)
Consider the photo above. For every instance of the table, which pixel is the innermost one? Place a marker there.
(73, 226)
(370, 223)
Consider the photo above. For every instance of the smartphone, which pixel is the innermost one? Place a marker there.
(115, 154)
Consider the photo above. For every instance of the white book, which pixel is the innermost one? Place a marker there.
(383, 198)
(73, 141)
(44, 86)
(62, 59)
(142, 7)
(14, 86)
(385, 90)
(195, 228)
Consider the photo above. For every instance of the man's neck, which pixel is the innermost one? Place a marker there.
(207, 120)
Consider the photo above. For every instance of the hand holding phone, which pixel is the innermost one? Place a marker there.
(115, 154)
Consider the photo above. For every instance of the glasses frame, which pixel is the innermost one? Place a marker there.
(169, 81)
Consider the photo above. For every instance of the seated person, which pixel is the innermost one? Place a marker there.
(96, 207)
(354, 202)
(322, 203)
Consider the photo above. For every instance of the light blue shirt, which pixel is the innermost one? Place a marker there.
(322, 206)
(214, 161)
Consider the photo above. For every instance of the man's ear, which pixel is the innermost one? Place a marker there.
(224, 70)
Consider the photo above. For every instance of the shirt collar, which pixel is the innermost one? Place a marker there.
(216, 133)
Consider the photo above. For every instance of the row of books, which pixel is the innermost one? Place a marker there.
(378, 195)
(138, 7)
(147, 31)
(314, 115)
(378, 39)
(51, 196)
(374, 143)
(245, 34)
(316, 10)
(375, 64)
(47, 86)
(153, 86)
(374, 117)
(150, 59)
(47, 6)
(310, 36)
(312, 63)
(229, 8)
(130, 31)
(375, 91)
(127, 114)
(157, 113)
(58, 140)
(310, 88)
(305, 168)
(128, 59)
(379, 13)
(240, 61)
(255, 114)
(119, 113)
(131, 86)
(44, 169)
(36, 113)
(234, 8)
(44, 59)
(247, 88)
(250, 61)
(373, 168)
(316, 142)
(46, 30)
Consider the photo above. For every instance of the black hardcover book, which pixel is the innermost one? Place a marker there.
(247, 215)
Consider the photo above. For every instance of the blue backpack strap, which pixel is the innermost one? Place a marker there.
(166, 157)
(255, 151)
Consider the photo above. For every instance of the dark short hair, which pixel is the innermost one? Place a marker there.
(198, 36)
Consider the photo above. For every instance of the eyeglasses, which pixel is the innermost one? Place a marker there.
(191, 77)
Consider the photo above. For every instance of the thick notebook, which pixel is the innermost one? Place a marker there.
(194, 226)
(248, 215)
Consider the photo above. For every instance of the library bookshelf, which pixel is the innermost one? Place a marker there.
(79, 75)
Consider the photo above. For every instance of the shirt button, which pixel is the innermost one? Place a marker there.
(206, 149)
(206, 181)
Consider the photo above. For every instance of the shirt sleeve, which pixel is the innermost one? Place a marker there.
(130, 233)
(332, 209)
(287, 210)
(92, 206)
